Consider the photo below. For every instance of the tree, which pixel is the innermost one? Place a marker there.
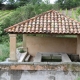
(11, 1)
(68, 3)
(22, 2)
(11, 4)
(1, 3)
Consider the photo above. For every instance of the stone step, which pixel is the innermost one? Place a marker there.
(27, 58)
(22, 57)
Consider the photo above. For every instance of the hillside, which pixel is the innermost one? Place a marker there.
(72, 14)
(4, 14)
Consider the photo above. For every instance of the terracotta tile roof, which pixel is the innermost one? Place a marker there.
(47, 22)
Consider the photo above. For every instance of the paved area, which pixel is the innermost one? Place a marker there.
(38, 75)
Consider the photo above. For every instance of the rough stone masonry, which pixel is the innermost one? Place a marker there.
(40, 71)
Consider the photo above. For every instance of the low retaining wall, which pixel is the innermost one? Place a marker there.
(38, 75)
(40, 71)
(72, 66)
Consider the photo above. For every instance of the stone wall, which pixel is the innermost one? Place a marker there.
(57, 66)
(38, 75)
(50, 44)
(35, 71)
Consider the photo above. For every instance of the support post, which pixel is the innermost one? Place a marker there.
(13, 56)
(78, 45)
(24, 42)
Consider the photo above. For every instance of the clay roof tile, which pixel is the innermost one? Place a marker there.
(47, 22)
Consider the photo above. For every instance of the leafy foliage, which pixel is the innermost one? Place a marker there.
(13, 4)
(21, 50)
(0, 30)
(4, 49)
(68, 3)
(78, 11)
(1, 1)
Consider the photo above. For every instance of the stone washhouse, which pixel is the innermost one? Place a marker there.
(50, 24)
(41, 38)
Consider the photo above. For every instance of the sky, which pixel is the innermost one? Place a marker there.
(51, 1)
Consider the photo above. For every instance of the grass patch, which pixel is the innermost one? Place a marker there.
(4, 51)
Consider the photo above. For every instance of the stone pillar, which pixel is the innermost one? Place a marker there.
(78, 45)
(13, 56)
(24, 42)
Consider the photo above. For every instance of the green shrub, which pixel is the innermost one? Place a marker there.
(21, 50)
(78, 11)
(5, 51)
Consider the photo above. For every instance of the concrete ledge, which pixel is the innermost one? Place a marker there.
(41, 66)
(38, 58)
(65, 58)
